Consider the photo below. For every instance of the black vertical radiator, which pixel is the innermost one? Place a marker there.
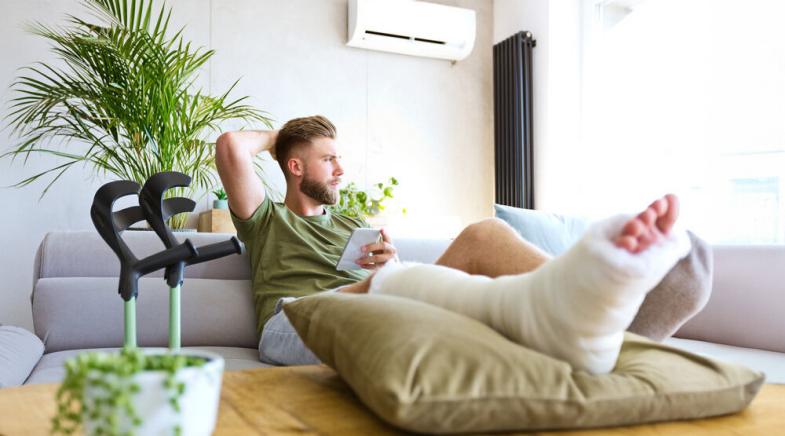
(512, 99)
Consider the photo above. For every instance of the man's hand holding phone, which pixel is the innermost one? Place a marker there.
(377, 254)
(365, 250)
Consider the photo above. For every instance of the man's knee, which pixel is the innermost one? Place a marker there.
(486, 229)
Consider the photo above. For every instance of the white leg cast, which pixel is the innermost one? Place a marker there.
(575, 307)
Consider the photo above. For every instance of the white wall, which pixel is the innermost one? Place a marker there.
(425, 121)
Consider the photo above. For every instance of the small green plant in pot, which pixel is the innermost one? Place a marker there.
(139, 392)
(121, 99)
(221, 199)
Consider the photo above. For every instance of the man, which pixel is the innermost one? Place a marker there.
(294, 245)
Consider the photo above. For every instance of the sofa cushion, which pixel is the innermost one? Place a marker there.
(427, 369)
(50, 368)
(420, 250)
(553, 233)
(87, 312)
(19, 352)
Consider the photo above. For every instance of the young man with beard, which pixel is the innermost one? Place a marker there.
(294, 245)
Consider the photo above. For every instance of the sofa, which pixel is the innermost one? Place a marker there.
(76, 306)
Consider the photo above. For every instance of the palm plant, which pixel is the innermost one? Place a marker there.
(124, 99)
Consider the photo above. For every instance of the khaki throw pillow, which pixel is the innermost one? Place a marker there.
(426, 369)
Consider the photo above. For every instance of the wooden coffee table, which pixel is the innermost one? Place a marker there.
(314, 400)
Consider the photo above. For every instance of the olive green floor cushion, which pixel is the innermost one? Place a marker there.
(426, 369)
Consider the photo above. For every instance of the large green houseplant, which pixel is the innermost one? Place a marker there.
(122, 99)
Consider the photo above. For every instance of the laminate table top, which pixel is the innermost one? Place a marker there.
(311, 400)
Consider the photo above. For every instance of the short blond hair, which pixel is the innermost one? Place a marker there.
(300, 132)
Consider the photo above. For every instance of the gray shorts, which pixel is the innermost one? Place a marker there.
(280, 344)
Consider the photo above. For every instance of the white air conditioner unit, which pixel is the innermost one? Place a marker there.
(412, 27)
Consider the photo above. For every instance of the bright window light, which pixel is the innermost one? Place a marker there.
(687, 96)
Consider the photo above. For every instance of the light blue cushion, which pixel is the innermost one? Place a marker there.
(553, 233)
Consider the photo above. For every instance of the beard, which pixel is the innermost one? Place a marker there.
(321, 192)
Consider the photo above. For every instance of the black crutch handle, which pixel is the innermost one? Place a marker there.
(176, 254)
(217, 250)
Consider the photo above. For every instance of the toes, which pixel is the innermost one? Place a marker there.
(648, 216)
(633, 228)
(660, 206)
(649, 226)
(628, 243)
(666, 220)
(647, 238)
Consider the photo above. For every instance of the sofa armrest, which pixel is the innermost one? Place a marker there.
(20, 351)
(747, 303)
(420, 250)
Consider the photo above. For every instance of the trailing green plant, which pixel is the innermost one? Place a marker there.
(359, 203)
(112, 376)
(124, 101)
(220, 194)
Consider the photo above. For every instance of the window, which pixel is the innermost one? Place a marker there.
(686, 96)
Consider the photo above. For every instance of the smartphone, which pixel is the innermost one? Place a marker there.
(353, 249)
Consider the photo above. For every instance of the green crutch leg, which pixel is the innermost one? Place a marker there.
(174, 318)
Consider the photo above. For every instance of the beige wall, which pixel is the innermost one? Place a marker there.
(425, 121)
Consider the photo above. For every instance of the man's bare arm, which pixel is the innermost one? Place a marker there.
(234, 155)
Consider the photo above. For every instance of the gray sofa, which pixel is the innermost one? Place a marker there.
(76, 305)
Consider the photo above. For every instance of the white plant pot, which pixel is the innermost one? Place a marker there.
(198, 404)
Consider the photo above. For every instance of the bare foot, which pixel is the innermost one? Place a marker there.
(649, 226)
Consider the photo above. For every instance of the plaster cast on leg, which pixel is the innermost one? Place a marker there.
(575, 307)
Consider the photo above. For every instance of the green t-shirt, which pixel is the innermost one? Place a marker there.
(292, 255)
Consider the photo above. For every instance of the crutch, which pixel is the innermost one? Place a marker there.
(110, 225)
(157, 210)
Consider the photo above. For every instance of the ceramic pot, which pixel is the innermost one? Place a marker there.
(198, 403)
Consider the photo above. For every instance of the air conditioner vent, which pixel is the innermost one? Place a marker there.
(430, 41)
(391, 35)
(412, 27)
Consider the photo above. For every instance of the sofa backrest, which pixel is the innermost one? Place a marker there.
(75, 301)
(85, 254)
(76, 305)
(747, 303)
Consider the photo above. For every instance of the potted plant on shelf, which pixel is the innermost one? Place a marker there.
(150, 391)
(221, 200)
(121, 99)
